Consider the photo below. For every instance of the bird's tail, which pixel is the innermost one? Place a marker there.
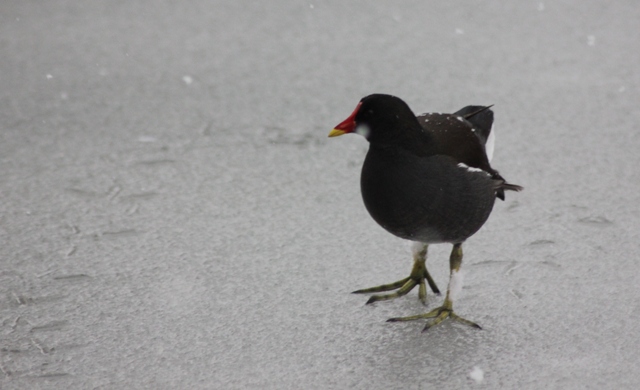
(512, 187)
(503, 185)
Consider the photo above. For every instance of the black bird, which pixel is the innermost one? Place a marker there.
(426, 179)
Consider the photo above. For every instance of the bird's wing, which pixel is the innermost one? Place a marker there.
(453, 135)
(464, 139)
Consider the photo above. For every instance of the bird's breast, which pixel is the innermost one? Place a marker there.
(426, 199)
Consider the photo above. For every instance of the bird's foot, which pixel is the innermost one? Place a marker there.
(439, 314)
(418, 276)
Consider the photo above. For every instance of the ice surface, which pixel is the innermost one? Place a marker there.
(221, 255)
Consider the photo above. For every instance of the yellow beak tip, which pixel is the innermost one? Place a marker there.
(335, 133)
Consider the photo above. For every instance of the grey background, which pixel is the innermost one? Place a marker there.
(172, 214)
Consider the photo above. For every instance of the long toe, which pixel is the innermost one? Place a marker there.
(419, 277)
(439, 315)
(384, 287)
(404, 290)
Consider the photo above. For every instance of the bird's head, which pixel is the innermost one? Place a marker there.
(378, 117)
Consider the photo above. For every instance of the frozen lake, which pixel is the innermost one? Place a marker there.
(173, 215)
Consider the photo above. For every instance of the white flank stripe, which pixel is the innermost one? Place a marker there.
(470, 169)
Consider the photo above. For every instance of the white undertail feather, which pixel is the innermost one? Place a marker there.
(491, 142)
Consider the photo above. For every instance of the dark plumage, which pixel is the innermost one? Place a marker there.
(426, 178)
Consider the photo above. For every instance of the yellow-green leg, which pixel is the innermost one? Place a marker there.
(417, 277)
(446, 310)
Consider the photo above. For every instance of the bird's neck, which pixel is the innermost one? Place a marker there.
(410, 138)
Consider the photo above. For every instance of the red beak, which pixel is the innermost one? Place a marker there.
(347, 125)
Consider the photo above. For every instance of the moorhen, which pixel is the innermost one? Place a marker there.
(426, 179)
